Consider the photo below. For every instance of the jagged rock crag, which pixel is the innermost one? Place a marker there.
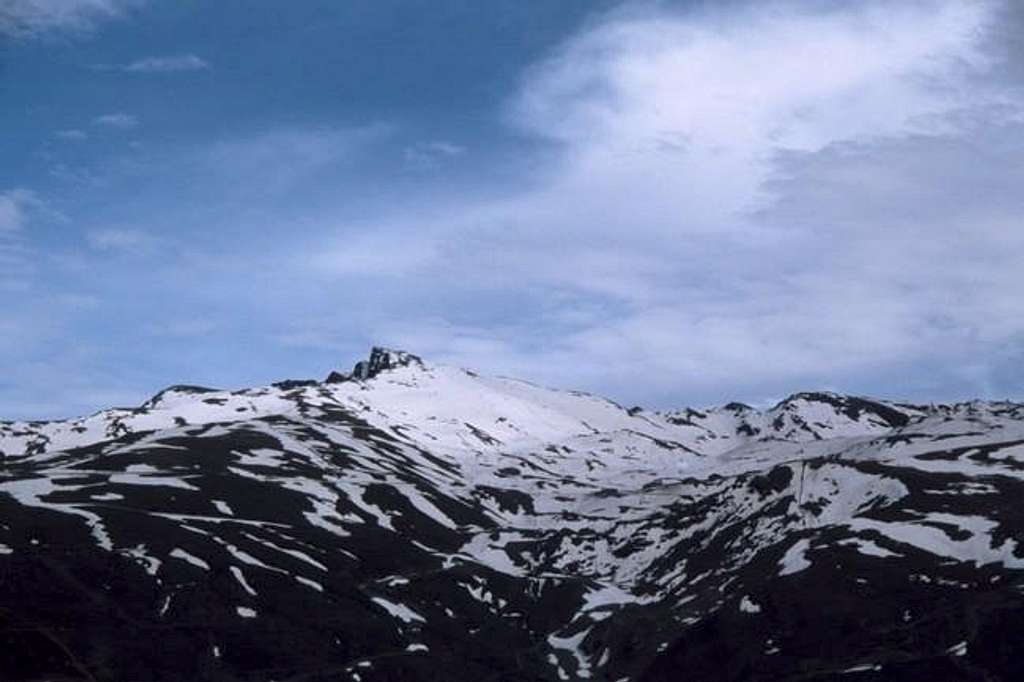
(383, 359)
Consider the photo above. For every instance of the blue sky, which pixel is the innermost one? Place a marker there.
(667, 203)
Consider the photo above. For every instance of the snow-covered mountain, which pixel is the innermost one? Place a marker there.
(412, 521)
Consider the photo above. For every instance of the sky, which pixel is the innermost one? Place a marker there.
(666, 203)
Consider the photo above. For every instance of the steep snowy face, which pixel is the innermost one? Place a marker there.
(418, 521)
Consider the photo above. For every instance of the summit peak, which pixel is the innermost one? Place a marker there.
(382, 359)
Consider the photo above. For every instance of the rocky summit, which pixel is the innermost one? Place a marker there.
(413, 521)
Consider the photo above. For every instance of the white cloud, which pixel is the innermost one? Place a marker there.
(116, 120)
(13, 209)
(306, 147)
(17, 208)
(182, 328)
(158, 64)
(76, 175)
(33, 18)
(364, 253)
(277, 160)
(71, 134)
(680, 136)
(184, 62)
(431, 155)
(685, 114)
(122, 240)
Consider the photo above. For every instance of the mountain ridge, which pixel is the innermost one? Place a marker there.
(383, 359)
(432, 523)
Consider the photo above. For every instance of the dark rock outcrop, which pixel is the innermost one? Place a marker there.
(383, 359)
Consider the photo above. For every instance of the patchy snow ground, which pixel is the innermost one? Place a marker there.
(509, 497)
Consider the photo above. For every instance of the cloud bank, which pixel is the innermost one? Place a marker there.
(748, 198)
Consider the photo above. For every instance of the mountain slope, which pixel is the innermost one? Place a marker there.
(415, 521)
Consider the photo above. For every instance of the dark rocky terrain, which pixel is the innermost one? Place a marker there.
(420, 522)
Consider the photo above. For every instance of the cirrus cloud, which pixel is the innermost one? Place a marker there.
(35, 18)
(184, 62)
(116, 120)
(161, 64)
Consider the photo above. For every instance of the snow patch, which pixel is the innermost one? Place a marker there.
(795, 559)
(749, 606)
(178, 553)
(400, 611)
